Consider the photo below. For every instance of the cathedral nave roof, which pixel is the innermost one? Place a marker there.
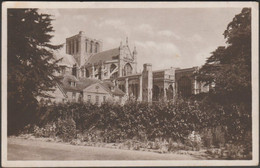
(103, 56)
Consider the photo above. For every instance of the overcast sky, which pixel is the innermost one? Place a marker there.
(164, 37)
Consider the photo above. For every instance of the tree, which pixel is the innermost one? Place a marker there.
(31, 64)
(229, 68)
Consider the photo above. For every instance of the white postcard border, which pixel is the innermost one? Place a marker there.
(55, 5)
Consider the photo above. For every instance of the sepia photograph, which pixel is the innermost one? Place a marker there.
(130, 84)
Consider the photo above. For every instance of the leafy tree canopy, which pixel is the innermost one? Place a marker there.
(229, 67)
(31, 64)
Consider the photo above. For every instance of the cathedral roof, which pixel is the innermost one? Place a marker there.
(107, 55)
(86, 82)
(67, 60)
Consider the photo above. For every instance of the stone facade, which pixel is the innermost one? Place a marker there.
(119, 66)
(81, 47)
(90, 90)
(92, 62)
(186, 83)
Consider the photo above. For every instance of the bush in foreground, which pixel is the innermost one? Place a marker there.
(143, 122)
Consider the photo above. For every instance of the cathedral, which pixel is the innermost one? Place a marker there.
(90, 74)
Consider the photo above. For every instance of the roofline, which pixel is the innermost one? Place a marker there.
(137, 74)
(186, 69)
(161, 70)
(93, 55)
(104, 62)
(119, 94)
(62, 90)
(111, 91)
(101, 86)
(78, 34)
(73, 90)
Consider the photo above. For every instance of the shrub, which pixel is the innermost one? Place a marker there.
(49, 130)
(207, 137)
(234, 151)
(194, 141)
(173, 146)
(28, 129)
(38, 132)
(66, 129)
(219, 136)
(145, 122)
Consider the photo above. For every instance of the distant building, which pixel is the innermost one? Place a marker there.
(57, 95)
(91, 90)
(92, 75)
(186, 83)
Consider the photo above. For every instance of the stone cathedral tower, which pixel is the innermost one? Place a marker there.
(81, 48)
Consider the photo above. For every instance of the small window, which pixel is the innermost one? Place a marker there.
(77, 46)
(97, 99)
(91, 47)
(74, 70)
(69, 43)
(96, 49)
(74, 95)
(80, 98)
(73, 83)
(87, 73)
(86, 46)
(89, 98)
(104, 98)
(63, 69)
(73, 47)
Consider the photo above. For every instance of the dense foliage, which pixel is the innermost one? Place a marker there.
(166, 126)
(229, 69)
(30, 64)
(144, 121)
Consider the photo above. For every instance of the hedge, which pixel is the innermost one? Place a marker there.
(146, 121)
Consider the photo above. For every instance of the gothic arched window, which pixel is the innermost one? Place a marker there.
(96, 48)
(112, 67)
(184, 86)
(91, 46)
(128, 69)
(77, 46)
(86, 46)
(87, 73)
(74, 70)
(99, 72)
(73, 47)
(156, 93)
